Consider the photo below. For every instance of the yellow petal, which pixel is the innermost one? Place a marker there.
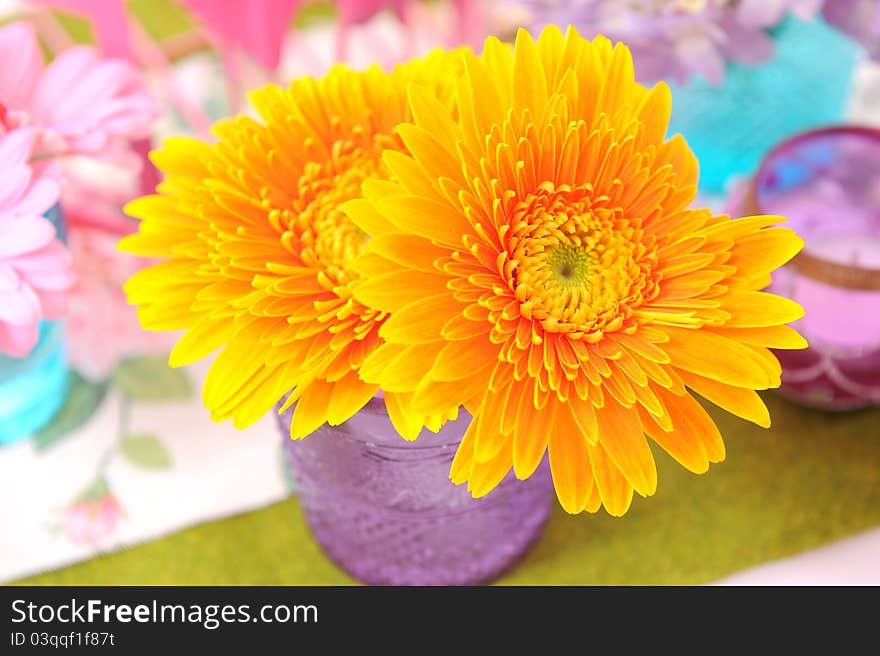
(655, 113)
(204, 337)
(394, 291)
(411, 251)
(529, 80)
(422, 321)
(365, 216)
(750, 309)
(434, 117)
(778, 337)
(489, 438)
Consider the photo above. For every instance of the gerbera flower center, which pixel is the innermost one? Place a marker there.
(327, 239)
(571, 266)
(577, 265)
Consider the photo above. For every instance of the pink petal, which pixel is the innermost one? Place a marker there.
(257, 26)
(16, 147)
(702, 56)
(14, 184)
(108, 23)
(758, 14)
(48, 269)
(89, 101)
(24, 235)
(18, 341)
(60, 82)
(55, 305)
(22, 64)
(42, 195)
(20, 307)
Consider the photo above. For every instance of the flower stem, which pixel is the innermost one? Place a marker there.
(121, 431)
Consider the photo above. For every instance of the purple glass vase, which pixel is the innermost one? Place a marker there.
(385, 510)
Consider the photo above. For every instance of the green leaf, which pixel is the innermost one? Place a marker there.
(149, 378)
(145, 451)
(84, 398)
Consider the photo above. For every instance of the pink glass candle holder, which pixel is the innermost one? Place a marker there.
(827, 183)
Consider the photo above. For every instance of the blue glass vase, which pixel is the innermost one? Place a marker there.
(34, 388)
(731, 126)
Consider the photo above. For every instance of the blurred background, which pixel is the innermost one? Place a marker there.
(103, 447)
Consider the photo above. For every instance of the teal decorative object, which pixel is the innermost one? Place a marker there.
(33, 389)
(732, 125)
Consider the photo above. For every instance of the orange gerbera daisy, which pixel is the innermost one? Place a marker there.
(258, 251)
(541, 266)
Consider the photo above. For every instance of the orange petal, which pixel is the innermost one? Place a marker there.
(691, 426)
(741, 402)
(404, 420)
(464, 456)
(485, 476)
(718, 358)
(347, 396)
(762, 252)
(615, 491)
(622, 438)
(530, 437)
(570, 463)
(311, 409)
(490, 439)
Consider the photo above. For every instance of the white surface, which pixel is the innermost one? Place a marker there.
(852, 561)
(216, 471)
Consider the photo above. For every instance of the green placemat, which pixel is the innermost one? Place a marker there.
(814, 477)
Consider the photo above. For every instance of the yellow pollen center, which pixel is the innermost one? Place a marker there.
(571, 266)
(317, 228)
(576, 264)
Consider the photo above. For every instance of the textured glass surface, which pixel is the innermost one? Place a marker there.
(33, 389)
(826, 183)
(731, 126)
(385, 510)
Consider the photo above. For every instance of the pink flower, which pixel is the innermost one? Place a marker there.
(360, 11)
(382, 39)
(34, 266)
(90, 520)
(101, 327)
(258, 26)
(79, 103)
(675, 40)
(858, 18)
